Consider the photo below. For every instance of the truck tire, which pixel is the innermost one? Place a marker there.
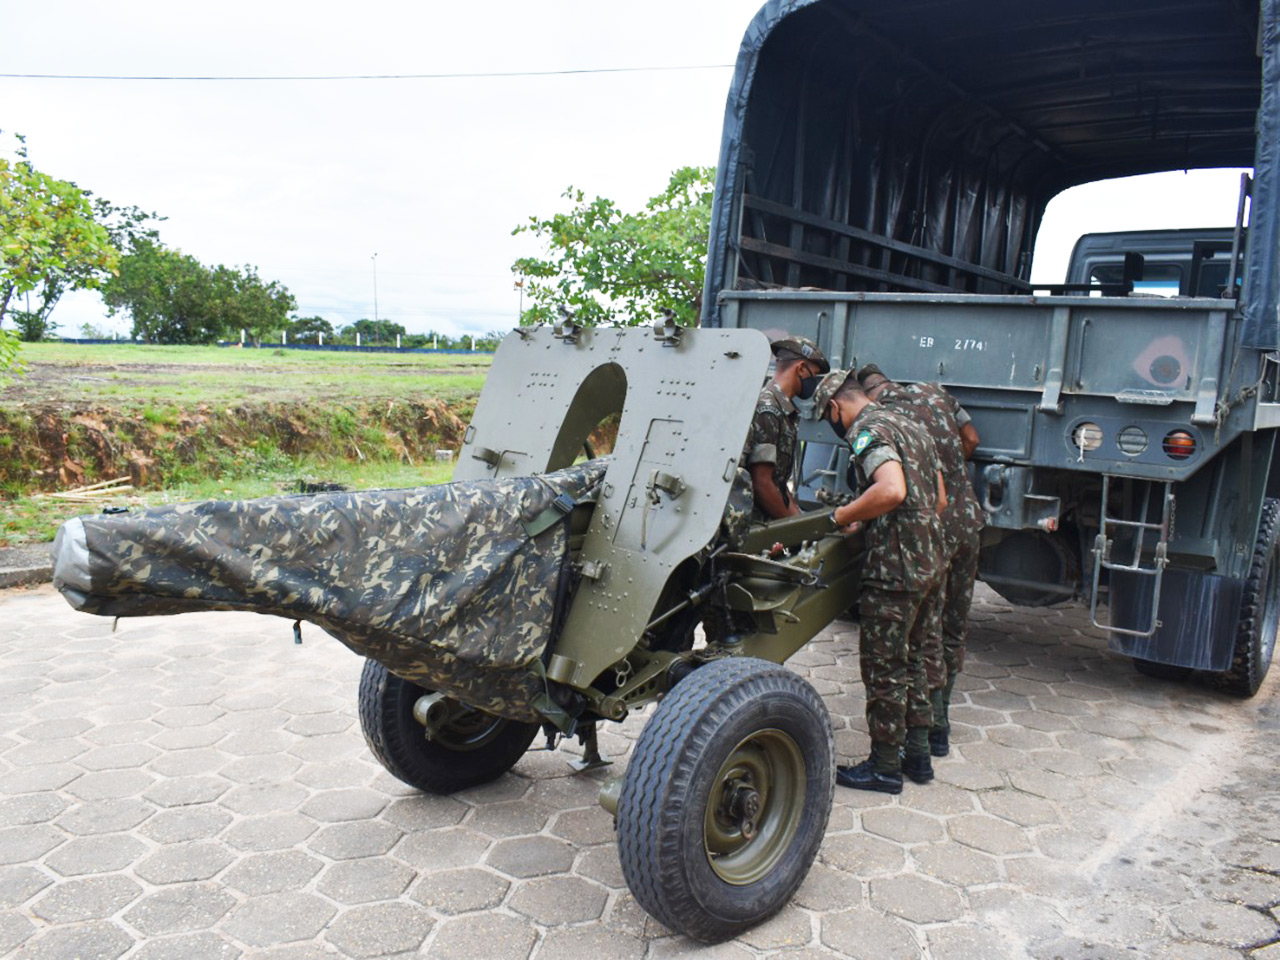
(1259, 609)
(726, 798)
(475, 748)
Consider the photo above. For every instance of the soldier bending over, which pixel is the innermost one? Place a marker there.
(954, 437)
(900, 494)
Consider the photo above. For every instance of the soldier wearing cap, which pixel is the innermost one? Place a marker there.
(954, 437)
(900, 493)
(771, 446)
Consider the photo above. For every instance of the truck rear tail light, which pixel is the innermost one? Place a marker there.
(1179, 445)
(1132, 441)
(1086, 436)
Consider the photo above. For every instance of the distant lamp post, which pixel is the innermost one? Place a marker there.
(520, 309)
(374, 258)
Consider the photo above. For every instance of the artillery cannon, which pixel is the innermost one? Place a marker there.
(534, 594)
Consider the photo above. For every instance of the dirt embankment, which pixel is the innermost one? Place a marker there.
(52, 447)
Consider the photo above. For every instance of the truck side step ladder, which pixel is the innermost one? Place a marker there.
(1102, 553)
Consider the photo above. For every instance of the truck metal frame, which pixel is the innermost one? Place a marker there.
(883, 173)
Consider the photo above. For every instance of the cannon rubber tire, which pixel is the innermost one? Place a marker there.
(400, 744)
(676, 768)
(1259, 609)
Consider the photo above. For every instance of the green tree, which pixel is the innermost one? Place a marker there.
(613, 267)
(308, 329)
(371, 332)
(173, 298)
(49, 241)
(244, 301)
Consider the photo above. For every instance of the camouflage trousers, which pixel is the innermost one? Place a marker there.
(958, 597)
(953, 625)
(892, 658)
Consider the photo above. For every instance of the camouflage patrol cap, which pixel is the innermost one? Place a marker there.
(832, 382)
(802, 347)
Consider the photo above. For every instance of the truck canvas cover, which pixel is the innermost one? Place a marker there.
(913, 146)
(452, 587)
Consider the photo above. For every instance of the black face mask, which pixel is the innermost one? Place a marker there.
(837, 427)
(807, 386)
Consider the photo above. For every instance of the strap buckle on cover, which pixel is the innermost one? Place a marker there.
(560, 508)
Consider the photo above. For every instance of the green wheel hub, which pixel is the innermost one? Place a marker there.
(755, 807)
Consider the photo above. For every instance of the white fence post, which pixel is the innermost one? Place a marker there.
(397, 341)
(242, 336)
(357, 338)
(320, 334)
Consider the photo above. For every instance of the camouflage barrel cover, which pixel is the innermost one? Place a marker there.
(443, 585)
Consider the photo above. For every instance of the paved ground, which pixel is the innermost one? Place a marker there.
(197, 787)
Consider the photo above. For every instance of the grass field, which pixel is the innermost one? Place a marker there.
(221, 423)
(138, 374)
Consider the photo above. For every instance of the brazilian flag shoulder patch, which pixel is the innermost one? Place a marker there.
(861, 443)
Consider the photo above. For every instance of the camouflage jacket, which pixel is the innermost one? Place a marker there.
(773, 436)
(929, 405)
(905, 549)
(443, 585)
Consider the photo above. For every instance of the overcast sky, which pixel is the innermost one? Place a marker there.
(308, 179)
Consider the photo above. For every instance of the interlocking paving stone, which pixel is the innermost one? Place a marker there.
(348, 841)
(186, 823)
(461, 891)
(866, 934)
(901, 826)
(278, 918)
(1021, 808)
(14, 931)
(862, 855)
(271, 832)
(789, 927)
(526, 857)
(956, 863)
(104, 816)
(425, 812)
(194, 946)
(441, 849)
(274, 872)
(493, 936)
(184, 862)
(94, 898)
(988, 834)
(593, 942)
(916, 899)
(1231, 924)
(512, 818)
(359, 881)
(94, 854)
(191, 907)
(963, 942)
(31, 808)
(379, 930)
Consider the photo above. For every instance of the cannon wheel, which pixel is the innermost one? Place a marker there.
(1259, 609)
(726, 798)
(474, 748)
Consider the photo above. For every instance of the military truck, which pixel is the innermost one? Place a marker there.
(883, 172)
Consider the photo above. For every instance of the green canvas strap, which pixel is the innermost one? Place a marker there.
(560, 508)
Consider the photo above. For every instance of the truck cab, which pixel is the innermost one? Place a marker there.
(884, 172)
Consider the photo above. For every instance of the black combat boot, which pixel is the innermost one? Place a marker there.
(939, 743)
(916, 763)
(865, 776)
(918, 767)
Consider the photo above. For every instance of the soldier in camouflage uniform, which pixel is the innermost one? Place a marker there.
(770, 452)
(955, 437)
(900, 494)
